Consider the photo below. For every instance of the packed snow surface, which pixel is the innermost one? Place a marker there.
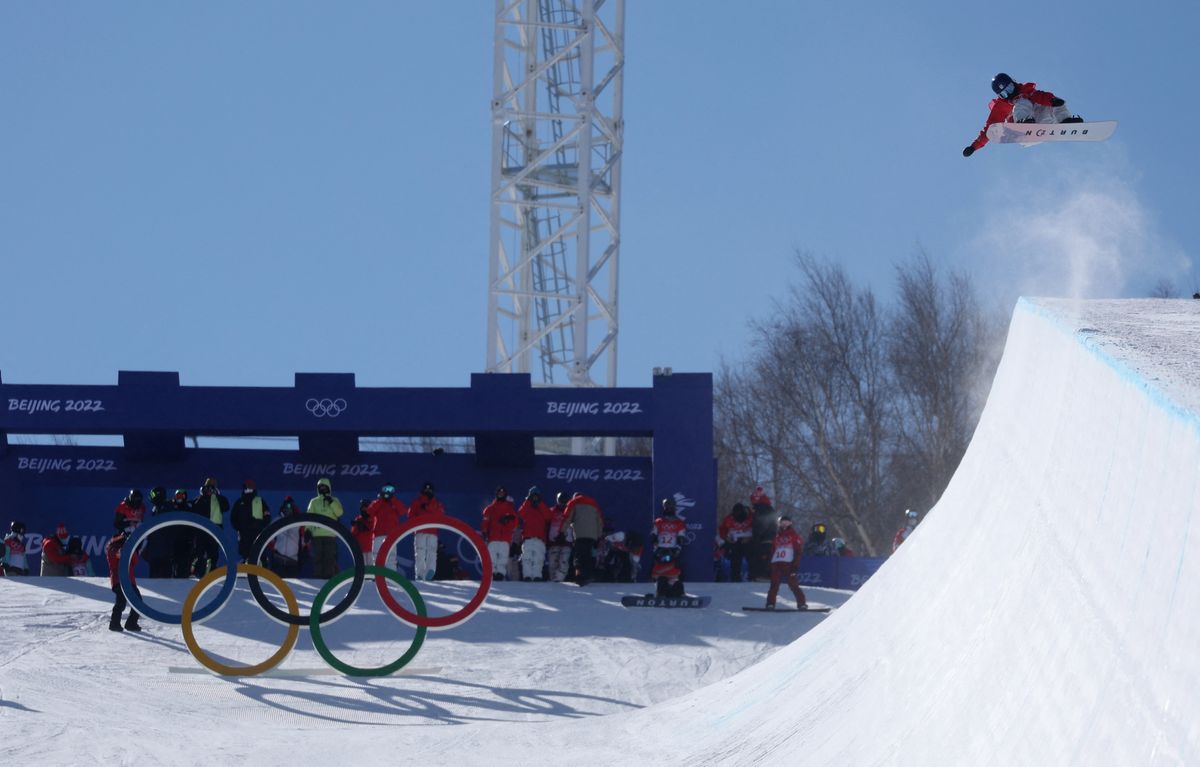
(1046, 611)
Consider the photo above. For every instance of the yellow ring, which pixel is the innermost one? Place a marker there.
(217, 667)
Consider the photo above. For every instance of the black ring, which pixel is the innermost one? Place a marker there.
(319, 520)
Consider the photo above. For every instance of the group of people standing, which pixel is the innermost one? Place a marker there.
(62, 553)
(545, 542)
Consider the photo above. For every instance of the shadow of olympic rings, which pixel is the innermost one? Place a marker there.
(464, 703)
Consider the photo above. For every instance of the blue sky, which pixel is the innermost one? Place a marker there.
(239, 191)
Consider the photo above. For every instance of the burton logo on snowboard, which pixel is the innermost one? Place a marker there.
(652, 601)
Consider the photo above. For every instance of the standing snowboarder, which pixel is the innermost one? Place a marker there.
(668, 540)
(113, 552)
(786, 549)
(1021, 103)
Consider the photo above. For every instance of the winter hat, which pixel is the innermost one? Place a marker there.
(61, 531)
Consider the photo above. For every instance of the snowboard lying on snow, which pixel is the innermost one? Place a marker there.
(811, 607)
(650, 600)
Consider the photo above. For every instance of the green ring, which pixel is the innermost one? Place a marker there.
(314, 622)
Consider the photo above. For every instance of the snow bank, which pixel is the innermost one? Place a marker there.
(1047, 611)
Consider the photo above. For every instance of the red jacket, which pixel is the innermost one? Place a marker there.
(361, 530)
(535, 520)
(901, 536)
(668, 532)
(426, 509)
(125, 511)
(499, 521)
(787, 547)
(56, 551)
(113, 550)
(386, 515)
(1000, 110)
(732, 531)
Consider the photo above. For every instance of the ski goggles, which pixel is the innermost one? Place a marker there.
(388, 490)
(1008, 90)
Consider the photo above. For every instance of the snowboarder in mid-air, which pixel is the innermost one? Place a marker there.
(1021, 103)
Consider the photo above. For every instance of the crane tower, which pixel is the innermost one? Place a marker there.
(555, 190)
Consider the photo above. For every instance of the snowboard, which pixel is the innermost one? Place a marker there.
(1037, 133)
(813, 607)
(653, 601)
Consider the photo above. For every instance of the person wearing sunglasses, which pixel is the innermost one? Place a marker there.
(1021, 103)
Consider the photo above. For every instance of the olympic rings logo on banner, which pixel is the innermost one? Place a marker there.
(292, 617)
(326, 407)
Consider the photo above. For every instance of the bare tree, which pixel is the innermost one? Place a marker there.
(848, 414)
(810, 409)
(1164, 288)
(942, 348)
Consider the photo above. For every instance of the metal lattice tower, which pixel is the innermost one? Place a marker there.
(555, 213)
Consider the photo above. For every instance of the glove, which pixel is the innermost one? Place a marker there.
(968, 151)
(1057, 102)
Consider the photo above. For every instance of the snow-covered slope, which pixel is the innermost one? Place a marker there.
(1047, 611)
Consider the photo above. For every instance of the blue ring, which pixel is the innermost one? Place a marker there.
(164, 520)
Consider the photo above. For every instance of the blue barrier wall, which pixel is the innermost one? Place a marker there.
(328, 413)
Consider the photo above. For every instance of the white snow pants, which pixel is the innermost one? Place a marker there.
(425, 556)
(1023, 109)
(499, 552)
(559, 562)
(391, 558)
(533, 557)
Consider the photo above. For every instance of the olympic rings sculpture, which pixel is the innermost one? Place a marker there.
(326, 407)
(292, 618)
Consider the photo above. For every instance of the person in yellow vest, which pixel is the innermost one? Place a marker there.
(324, 542)
(250, 515)
(213, 505)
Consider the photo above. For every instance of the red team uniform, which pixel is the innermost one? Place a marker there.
(785, 561)
(668, 537)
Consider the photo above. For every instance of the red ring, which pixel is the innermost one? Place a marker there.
(440, 621)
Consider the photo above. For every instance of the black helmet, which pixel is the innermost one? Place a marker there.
(427, 489)
(668, 507)
(17, 527)
(1003, 86)
(134, 498)
(158, 494)
(562, 498)
(739, 512)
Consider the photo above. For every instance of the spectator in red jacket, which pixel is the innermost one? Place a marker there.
(737, 534)
(535, 524)
(427, 508)
(55, 559)
(113, 550)
(499, 522)
(387, 513)
(785, 562)
(1022, 103)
